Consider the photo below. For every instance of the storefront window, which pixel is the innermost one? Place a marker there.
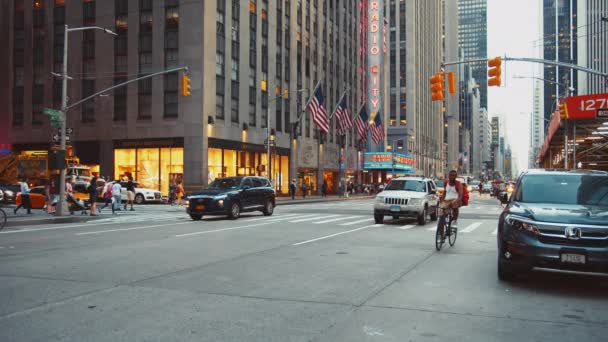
(148, 160)
(171, 167)
(124, 162)
(230, 163)
(215, 163)
(284, 180)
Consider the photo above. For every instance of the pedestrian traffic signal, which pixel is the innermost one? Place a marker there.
(452, 82)
(494, 72)
(563, 111)
(437, 87)
(185, 85)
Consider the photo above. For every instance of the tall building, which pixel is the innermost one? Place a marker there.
(560, 25)
(592, 42)
(469, 107)
(415, 54)
(537, 133)
(238, 54)
(473, 40)
(496, 155)
(486, 141)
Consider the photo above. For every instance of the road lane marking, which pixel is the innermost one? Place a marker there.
(409, 226)
(495, 231)
(336, 234)
(431, 229)
(132, 228)
(221, 230)
(51, 228)
(471, 227)
(335, 219)
(312, 218)
(355, 222)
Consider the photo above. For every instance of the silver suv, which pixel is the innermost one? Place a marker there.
(414, 197)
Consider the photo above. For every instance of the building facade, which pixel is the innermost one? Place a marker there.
(473, 40)
(593, 39)
(560, 30)
(251, 64)
(415, 53)
(537, 133)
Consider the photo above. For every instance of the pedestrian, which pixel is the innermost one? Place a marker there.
(130, 193)
(107, 196)
(25, 197)
(172, 186)
(292, 189)
(116, 196)
(93, 196)
(179, 192)
(304, 189)
(324, 189)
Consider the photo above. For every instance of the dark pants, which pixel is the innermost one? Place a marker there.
(25, 203)
(293, 193)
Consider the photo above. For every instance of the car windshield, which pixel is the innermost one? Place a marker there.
(407, 185)
(226, 183)
(564, 189)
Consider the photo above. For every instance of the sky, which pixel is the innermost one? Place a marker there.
(514, 27)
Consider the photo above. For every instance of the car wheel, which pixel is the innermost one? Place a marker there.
(268, 208)
(378, 218)
(139, 199)
(196, 217)
(235, 210)
(422, 217)
(434, 213)
(505, 271)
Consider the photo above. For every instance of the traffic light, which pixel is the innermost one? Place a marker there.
(563, 111)
(437, 87)
(452, 82)
(185, 85)
(494, 72)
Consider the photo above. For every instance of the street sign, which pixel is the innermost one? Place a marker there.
(56, 124)
(587, 106)
(68, 130)
(51, 112)
(57, 138)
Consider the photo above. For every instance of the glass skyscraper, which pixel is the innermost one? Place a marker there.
(473, 40)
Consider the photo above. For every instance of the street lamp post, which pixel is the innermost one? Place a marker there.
(62, 204)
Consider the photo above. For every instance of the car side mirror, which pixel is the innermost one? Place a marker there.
(246, 187)
(433, 192)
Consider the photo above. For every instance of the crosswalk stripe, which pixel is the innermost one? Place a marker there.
(471, 227)
(495, 231)
(431, 229)
(316, 217)
(354, 222)
(336, 219)
(409, 226)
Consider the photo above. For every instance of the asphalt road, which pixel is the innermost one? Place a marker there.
(310, 272)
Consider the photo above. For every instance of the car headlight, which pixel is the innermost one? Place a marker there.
(416, 201)
(521, 224)
(8, 193)
(220, 202)
(379, 199)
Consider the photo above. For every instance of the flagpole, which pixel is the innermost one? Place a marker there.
(339, 101)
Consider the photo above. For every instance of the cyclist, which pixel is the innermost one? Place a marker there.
(451, 197)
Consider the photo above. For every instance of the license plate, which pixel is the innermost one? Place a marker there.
(200, 207)
(395, 208)
(573, 258)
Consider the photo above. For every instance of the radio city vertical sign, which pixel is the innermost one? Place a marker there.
(376, 49)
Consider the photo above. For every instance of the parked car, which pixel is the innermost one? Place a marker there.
(407, 197)
(231, 196)
(554, 219)
(474, 185)
(486, 188)
(142, 195)
(10, 192)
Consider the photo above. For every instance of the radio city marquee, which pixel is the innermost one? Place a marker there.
(384, 161)
(376, 49)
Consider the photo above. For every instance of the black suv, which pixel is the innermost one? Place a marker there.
(231, 196)
(554, 219)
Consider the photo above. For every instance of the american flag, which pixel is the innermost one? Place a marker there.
(317, 110)
(343, 116)
(377, 129)
(361, 124)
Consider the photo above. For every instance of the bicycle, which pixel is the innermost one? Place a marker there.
(2, 218)
(445, 221)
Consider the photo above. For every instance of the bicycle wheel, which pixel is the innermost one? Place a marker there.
(453, 233)
(2, 219)
(439, 239)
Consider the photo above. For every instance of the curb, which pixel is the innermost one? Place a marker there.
(49, 220)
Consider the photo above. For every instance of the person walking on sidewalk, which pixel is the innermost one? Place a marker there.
(292, 189)
(25, 197)
(130, 193)
(93, 196)
(116, 196)
(179, 193)
(107, 196)
(304, 189)
(324, 189)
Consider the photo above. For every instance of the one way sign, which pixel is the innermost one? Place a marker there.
(57, 138)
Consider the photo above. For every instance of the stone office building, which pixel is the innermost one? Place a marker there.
(240, 55)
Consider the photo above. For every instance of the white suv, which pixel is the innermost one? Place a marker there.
(407, 197)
